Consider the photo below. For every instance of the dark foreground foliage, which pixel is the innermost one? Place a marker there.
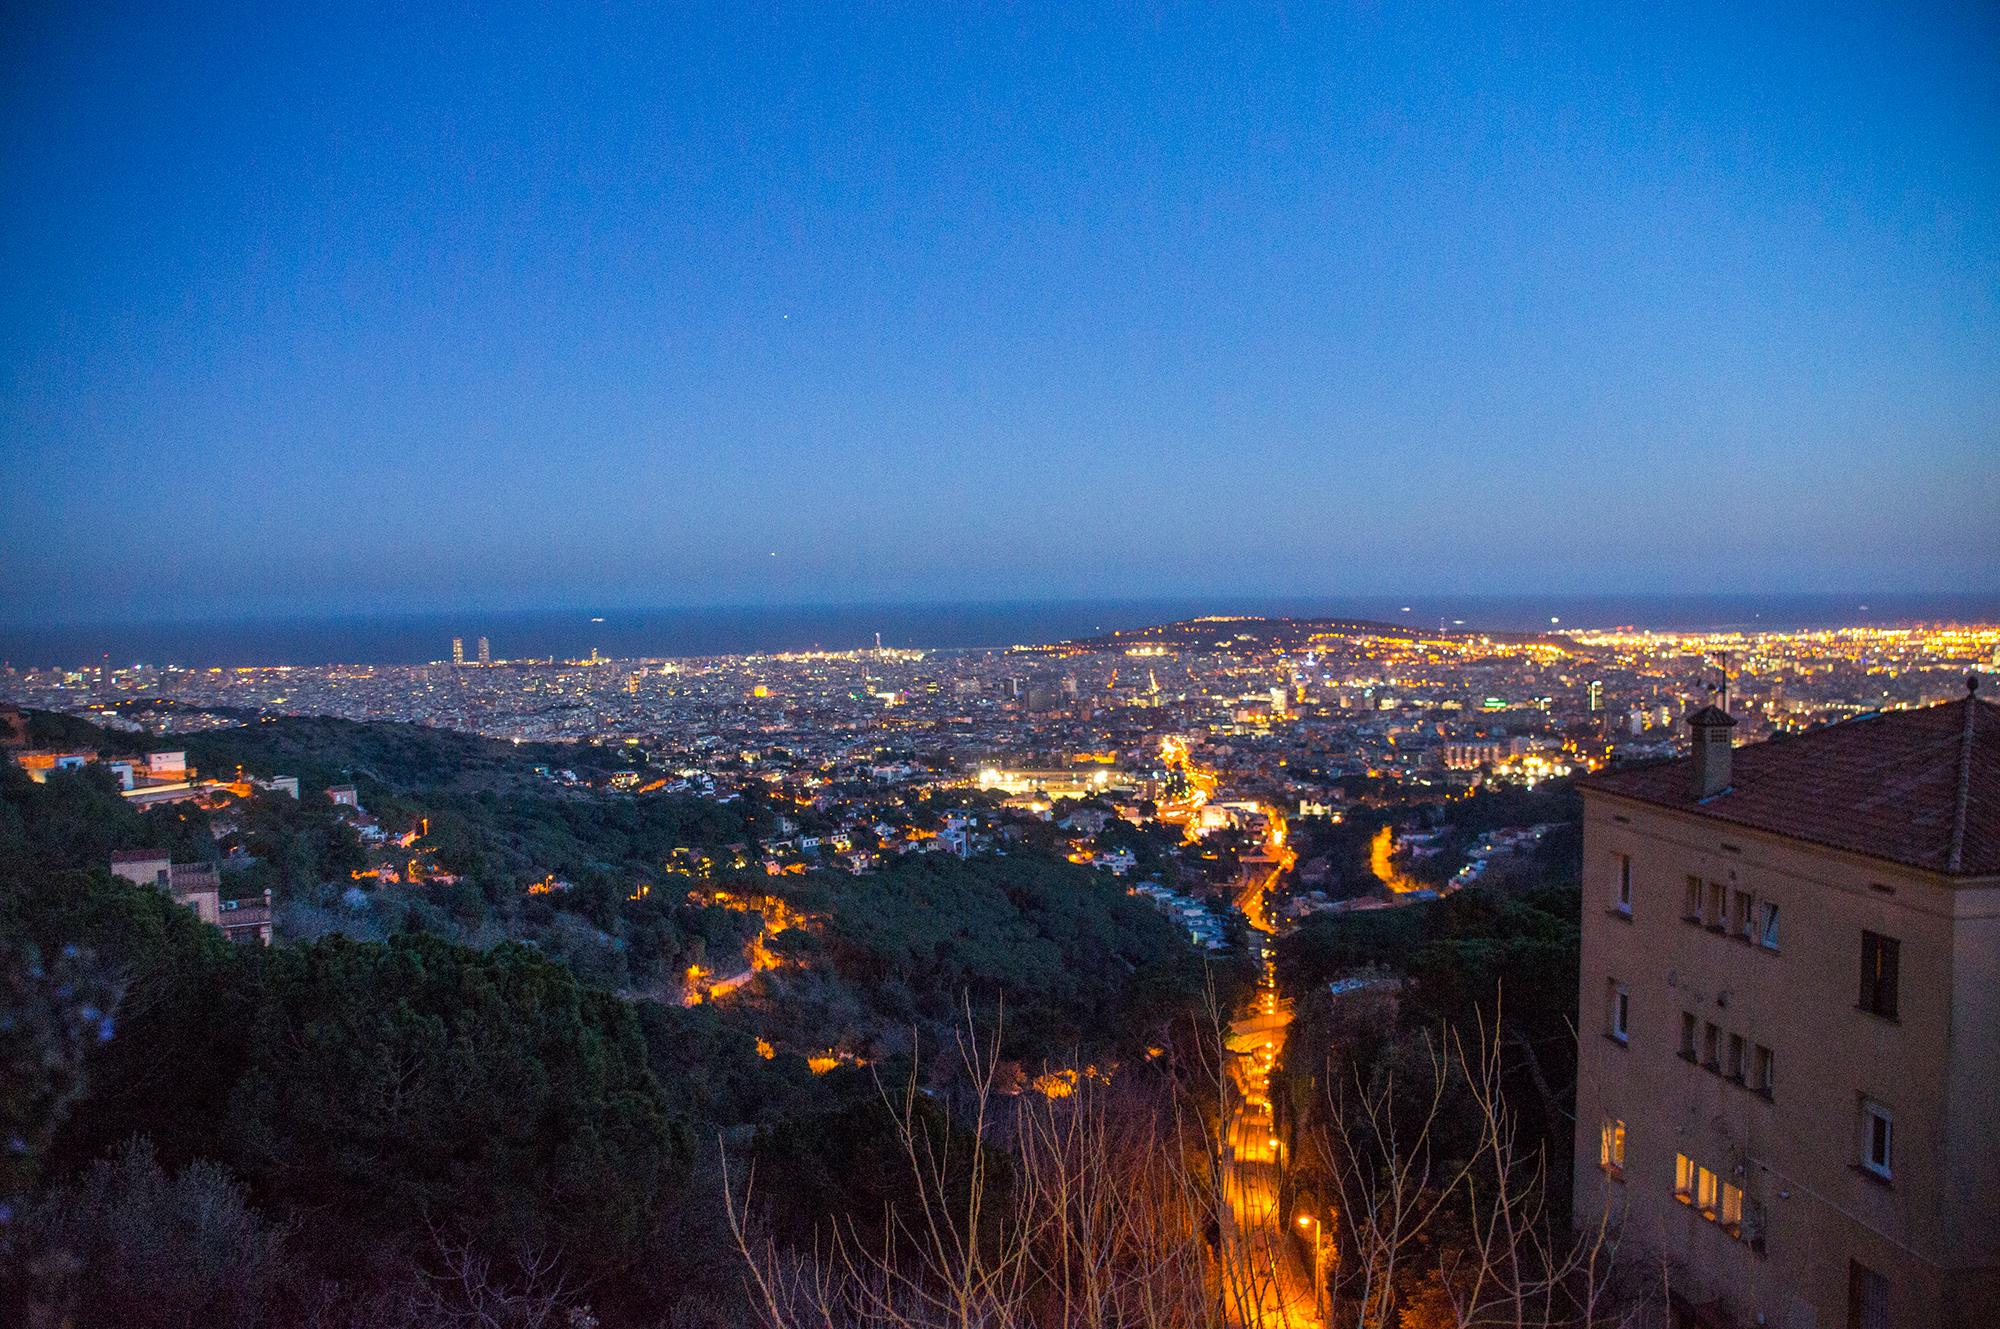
(384, 1125)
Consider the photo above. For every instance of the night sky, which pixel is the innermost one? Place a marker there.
(415, 309)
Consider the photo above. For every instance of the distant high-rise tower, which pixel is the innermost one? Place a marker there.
(458, 650)
(1596, 694)
(485, 652)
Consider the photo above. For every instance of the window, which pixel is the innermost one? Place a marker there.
(1867, 1298)
(1752, 1228)
(1687, 1035)
(1731, 1216)
(1720, 1202)
(1742, 919)
(1705, 1189)
(1611, 1147)
(1710, 1035)
(1621, 899)
(1878, 1139)
(1764, 1071)
(1718, 906)
(1618, 1017)
(1880, 956)
(1767, 925)
(1691, 907)
(1734, 1070)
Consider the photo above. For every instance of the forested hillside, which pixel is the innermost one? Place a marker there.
(487, 1067)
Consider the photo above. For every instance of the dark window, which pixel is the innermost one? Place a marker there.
(1879, 958)
(1764, 1071)
(1867, 1298)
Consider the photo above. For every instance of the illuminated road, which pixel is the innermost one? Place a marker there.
(1261, 873)
(1381, 861)
(1278, 1287)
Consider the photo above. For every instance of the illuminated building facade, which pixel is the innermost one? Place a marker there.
(1789, 1052)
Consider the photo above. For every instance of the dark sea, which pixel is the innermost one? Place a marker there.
(629, 633)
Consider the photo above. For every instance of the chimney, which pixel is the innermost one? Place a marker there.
(1710, 728)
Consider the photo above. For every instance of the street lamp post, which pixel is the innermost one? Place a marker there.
(1311, 1223)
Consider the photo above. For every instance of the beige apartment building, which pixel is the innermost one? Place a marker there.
(1788, 1091)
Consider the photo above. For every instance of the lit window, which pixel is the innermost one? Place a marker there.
(1622, 899)
(1620, 1026)
(1706, 1186)
(1611, 1147)
(1684, 1178)
(1767, 925)
(1878, 1139)
(1731, 1216)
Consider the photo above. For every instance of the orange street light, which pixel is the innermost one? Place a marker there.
(1319, 1277)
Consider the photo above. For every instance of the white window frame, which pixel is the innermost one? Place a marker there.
(1872, 1114)
(1766, 934)
(1621, 1012)
(1731, 1215)
(1621, 892)
(1611, 1146)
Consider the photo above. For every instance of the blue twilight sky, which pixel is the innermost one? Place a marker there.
(322, 307)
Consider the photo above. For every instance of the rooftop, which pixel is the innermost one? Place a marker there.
(1916, 787)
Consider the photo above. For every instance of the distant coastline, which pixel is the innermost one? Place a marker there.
(403, 639)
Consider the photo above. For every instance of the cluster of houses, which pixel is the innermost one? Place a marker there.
(199, 887)
(149, 779)
(1204, 929)
(1511, 842)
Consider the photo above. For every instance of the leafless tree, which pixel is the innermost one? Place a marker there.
(1111, 1216)
(1473, 1230)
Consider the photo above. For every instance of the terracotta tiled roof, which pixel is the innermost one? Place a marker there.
(1916, 787)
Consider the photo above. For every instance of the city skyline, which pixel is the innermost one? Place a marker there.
(1287, 667)
(309, 314)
